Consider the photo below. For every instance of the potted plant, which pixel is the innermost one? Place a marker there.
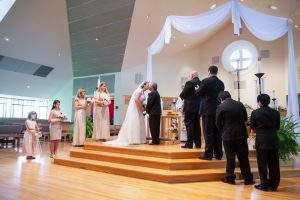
(288, 146)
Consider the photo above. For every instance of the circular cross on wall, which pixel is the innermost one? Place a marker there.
(240, 54)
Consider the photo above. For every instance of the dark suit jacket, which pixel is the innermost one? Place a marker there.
(231, 116)
(266, 122)
(153, 103)
(191, 100)
(209, 91)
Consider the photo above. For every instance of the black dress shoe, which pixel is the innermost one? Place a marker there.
(232, 182)
(187, 147)
(261, 187)
(153, 143)
(273, 188)
(249, 182)
(205, 158)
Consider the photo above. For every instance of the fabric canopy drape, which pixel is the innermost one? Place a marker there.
(264, 27)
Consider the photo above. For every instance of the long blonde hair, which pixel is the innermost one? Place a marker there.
(101, 84)
(79, 92)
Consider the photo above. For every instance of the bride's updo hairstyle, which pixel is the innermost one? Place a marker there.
(144, 84)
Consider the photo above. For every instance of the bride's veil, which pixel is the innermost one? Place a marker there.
(133, 128)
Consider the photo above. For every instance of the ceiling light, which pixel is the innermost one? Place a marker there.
(6, 39)
(96, 39)
(272, 7)
(296, 26)
(28, 86)
(213, 6)
(147, 17)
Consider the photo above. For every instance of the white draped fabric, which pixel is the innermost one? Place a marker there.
(264, 27)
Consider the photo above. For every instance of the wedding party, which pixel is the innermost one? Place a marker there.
(139, 99)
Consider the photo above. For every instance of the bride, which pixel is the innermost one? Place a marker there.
(133, 129)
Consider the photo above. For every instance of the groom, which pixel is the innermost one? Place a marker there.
(153, 108)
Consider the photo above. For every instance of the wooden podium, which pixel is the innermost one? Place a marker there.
(170, 127)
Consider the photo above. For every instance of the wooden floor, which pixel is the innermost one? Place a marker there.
(41, 179)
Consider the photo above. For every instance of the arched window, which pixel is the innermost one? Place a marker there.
(239, 55)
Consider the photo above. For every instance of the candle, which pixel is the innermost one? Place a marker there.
(259, 65)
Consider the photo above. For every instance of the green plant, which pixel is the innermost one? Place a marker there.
(288, 146)
(89, 128)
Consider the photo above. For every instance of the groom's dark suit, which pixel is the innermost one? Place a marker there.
(153, 108)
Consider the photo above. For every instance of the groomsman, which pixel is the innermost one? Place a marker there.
(230, 120)
(266, 122)
(209, 90)
(191, 107)
(153, 108)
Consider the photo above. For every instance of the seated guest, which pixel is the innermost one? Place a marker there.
(31, 145)
(266, 121)
(230, 120)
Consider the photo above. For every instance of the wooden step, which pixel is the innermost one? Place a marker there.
(161, 175)
(160, 151)
(152, 162)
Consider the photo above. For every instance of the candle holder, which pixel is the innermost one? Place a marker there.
(274, 103)
(259, 76)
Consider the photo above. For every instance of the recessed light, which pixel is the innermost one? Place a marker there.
(272, 7)
(6, 39)
(147, 17)
(28, 86)
(213, 6)
(296, 26)
(96, 39)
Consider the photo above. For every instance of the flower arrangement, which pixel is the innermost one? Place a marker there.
(89, 100)
(62, 116)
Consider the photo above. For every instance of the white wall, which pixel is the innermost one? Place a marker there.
(167, 71)
(65, 96)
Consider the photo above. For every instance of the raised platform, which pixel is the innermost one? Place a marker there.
(164, 163)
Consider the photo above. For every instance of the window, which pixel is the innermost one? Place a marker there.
(19, 107)
(239, 55)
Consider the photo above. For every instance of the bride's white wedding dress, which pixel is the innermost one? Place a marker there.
(133, 130)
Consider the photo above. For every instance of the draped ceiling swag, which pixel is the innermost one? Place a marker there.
(264, 27)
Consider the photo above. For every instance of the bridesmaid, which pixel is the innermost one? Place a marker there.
(101, 130)
(31, 144)
(55, 119)
(80, 105)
